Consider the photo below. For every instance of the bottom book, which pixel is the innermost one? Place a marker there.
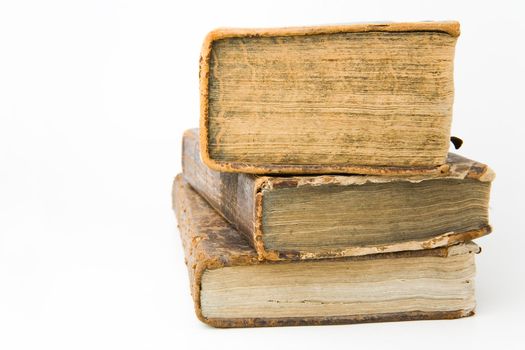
(232, 288)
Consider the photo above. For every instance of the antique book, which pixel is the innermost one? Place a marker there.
(362, 98)
(316, 216)
(231, 287)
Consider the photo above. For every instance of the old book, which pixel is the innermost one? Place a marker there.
(231, 287)
(301, 217)
(361, 98)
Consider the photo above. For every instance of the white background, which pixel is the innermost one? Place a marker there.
(94, 97)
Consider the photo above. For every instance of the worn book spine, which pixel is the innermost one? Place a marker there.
(404, 167)
(211, 243)
(234, 195)
(239, 197)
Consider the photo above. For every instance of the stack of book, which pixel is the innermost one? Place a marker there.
(319, 188)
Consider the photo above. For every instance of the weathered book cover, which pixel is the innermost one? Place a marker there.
(458, 198)
(361, 99)
(211, 244)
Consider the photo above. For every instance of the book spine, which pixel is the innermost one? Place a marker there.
(192, 252)
(231, 194)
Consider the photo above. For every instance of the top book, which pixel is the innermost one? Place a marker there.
(361, 98)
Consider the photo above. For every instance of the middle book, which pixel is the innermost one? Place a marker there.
(326, 216)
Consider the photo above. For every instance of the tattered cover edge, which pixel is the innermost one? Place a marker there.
(460, 168)
(448, 27)
(335, 320)
(221, 246)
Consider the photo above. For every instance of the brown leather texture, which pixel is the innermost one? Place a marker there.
(210, 243)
